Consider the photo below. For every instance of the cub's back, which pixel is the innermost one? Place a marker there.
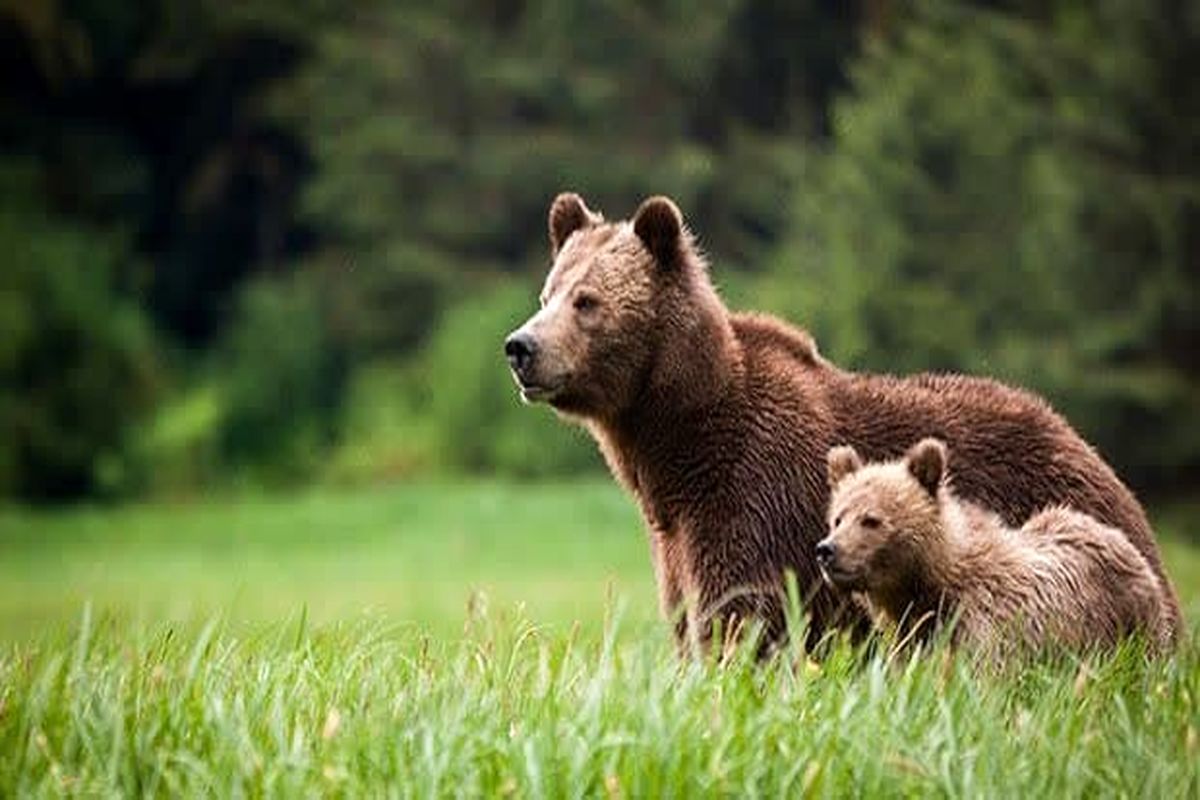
(1099, 574)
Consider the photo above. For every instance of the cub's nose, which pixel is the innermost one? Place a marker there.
(825, 551)
(520, 348)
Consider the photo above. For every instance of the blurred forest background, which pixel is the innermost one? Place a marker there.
(266, 243)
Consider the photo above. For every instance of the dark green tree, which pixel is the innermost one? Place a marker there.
(1017, 195)
(77, 361)
(440, 133)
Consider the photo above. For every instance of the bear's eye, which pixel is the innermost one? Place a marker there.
(837, 521)
(869, 522)
(585, 302)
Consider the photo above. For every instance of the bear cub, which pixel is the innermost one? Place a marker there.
(923, 558)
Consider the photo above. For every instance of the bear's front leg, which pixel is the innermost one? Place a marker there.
(736, 586)
(666, 553)
(725, 621)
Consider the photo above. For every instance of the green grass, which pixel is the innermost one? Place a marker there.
(415, 553)
(329, 644)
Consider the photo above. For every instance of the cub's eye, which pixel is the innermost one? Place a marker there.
(837, 521)
(869, 522)
(585, 303)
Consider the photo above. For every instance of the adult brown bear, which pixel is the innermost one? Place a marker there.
(719, 423)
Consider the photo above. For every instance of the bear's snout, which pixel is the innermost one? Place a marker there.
(825, 552)
(520, 348)
(830, 563)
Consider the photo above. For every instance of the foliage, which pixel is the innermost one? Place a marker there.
(282, 371)
(145, 117)
(177, 450)
(439, 134)
(1018, 197)
(1006, 188)
(77, 362)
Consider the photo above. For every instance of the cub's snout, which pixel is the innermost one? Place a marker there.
(825, 552)
(833, 571)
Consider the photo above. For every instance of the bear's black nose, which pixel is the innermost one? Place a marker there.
(520, 349)
(825, 551)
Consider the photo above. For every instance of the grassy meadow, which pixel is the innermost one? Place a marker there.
(502, 639)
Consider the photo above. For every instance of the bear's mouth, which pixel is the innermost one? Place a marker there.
(837, 576)
(535, 392)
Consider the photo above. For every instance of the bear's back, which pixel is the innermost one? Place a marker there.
(759, 333)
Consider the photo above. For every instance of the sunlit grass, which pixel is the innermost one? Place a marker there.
(493, 639)
(512, 708)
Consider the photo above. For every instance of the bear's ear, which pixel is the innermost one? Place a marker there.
(927, 463)
(568, 213)
(840, 462)
(659, 224)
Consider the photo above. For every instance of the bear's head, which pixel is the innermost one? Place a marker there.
(618, 295)
(884, 518)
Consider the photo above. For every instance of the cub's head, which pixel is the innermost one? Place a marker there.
(882, 517)
(616, 292)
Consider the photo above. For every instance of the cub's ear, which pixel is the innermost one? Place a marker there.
(927, 463)
(840, 462)
(659, 224)
(568, 213)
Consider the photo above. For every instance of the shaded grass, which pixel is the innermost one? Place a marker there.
(491, 639)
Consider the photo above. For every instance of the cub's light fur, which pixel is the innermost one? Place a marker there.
(922, 557)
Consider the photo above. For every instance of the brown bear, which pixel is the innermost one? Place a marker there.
(719, 423)
(923, 557)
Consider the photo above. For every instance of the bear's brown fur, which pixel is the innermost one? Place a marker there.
(719, 423)
(922, 557)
